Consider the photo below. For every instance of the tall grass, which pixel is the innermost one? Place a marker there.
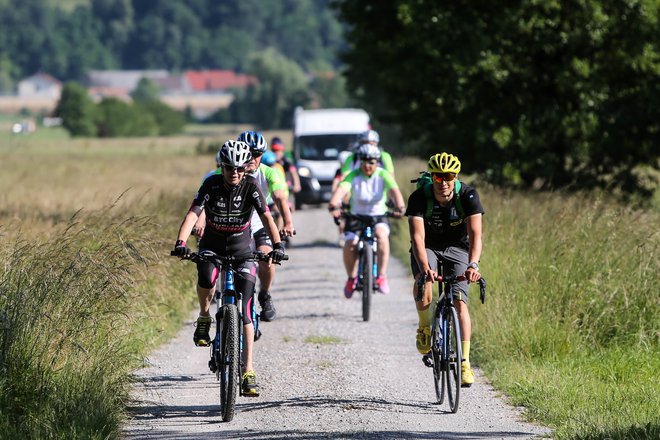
(571, 324)
(71, 306)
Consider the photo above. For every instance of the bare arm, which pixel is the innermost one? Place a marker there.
(474, 230)
(395, 194)
(335, 200)
(417, 236)
(188, 223)
(296, 179)
(282, 202)
(200, 224)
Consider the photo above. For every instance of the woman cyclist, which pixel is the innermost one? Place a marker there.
(228, 200)
(445, 228)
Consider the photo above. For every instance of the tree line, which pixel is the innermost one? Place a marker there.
(537, 93)
(68, 38)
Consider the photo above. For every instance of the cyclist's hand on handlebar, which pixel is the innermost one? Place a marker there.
(398, 212)
(288, 231)
(472, 275)
(335, 212)
(277, 254)
(430, 275)
(180, 249)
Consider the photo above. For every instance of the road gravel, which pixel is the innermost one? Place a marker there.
(323, 372)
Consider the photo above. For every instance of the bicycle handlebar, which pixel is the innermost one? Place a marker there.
(361, 217)
(449, 279)
(219, 260)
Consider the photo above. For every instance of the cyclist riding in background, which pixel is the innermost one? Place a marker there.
(445, 227)
(274, 187)
(228, 201)
(368, 187)
(369, 137)
(290, 170)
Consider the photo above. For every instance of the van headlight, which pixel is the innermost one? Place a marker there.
(304, 172)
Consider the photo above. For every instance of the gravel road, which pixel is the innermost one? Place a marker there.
(323, 372)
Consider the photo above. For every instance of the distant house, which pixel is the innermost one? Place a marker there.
(201, 91)
(217, 81)
(40, 85)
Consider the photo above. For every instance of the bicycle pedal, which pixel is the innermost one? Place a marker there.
(427, 360)
(212, 366)
(257, 335)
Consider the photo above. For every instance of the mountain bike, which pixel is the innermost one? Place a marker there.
(446, 354)
(367, 248)
(227, 346)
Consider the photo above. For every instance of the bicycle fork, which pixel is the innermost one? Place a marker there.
(368, 235)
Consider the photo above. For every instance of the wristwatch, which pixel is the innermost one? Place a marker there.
(474, 266)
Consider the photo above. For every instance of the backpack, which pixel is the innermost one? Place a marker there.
(425, 181)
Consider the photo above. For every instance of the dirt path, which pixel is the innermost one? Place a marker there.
(369, 384)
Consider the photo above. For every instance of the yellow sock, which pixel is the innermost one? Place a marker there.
(424, 317)
(465, 345)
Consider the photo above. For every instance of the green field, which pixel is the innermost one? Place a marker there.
(570, 328)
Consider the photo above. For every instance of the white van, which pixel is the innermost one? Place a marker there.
(318, 138)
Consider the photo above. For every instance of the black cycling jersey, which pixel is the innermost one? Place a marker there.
(445, 227)
(228, 212)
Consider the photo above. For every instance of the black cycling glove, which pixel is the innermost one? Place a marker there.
(277, 254)
(180, 249)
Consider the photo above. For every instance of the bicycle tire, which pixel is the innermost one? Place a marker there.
(367, 280)
(436, 354)
(229, 373)
(453, 359)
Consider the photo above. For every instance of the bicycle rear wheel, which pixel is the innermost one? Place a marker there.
(454, 358)
(229, 374)
(367, 280)
(436, 353)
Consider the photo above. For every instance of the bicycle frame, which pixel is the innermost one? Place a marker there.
(445, 356)
(366, 237)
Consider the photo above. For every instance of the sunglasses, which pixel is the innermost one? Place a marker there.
(234, 169)
(369, 162)
(256, 154)
(443, 177)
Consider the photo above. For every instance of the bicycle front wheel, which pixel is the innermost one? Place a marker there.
(454, 357)
(436, 354)
(367, 280)
(229, 374)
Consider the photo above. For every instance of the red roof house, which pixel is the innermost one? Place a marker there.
(217, 80)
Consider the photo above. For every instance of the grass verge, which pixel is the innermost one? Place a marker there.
(79, 311)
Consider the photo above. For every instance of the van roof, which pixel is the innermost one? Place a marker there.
(330, 121)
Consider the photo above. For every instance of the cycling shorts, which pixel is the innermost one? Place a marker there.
(353, 227)
(261, 238)
(454, 262)
(245, 280)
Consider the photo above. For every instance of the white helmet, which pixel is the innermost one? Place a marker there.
(368, 136)
(368, 151)
(233, 154)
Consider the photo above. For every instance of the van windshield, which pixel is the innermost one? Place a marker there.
(324, 147)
